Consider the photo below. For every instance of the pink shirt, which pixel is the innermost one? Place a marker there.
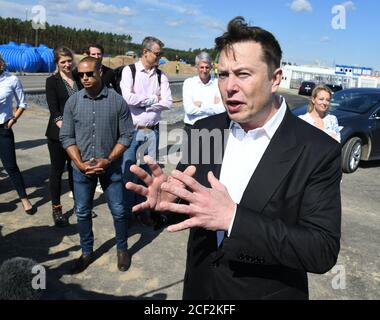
(142, 99)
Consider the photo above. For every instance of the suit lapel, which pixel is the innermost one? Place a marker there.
(279, 157)
(220, 123)
(61, 86)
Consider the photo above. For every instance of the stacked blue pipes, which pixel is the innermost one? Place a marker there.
(25, 58)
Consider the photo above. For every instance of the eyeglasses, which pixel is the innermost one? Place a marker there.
(157, 54)
(89, 74)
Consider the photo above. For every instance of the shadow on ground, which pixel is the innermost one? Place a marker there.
(30, 144)
(36, 243)
(369, 164)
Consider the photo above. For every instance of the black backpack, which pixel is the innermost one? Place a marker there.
(118, 71)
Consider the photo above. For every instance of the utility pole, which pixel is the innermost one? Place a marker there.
(26, 20)
(36, 38)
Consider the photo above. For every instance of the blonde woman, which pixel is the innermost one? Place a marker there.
(59, 87)
(317, 112)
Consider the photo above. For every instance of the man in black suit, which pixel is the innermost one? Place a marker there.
(263, 207)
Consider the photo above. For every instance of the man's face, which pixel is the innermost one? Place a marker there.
(245, 87)
(153, 55)
(96, 53)
(203, 69)
(89, 76)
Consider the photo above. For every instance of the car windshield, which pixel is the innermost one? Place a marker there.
(352, 101)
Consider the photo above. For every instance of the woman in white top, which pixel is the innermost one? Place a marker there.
(10, 86)
(317, 112)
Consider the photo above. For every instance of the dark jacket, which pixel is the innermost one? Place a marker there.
(56, 97)
(287, 222)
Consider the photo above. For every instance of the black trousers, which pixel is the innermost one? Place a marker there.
(8, 158)
(58, 159)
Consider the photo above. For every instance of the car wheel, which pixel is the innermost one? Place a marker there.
(351, 154)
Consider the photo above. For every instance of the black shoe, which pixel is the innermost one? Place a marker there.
(123, 260)
(31, 211)
(82, 263)
(60, 220)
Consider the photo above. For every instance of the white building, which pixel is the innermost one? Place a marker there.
(346, 76)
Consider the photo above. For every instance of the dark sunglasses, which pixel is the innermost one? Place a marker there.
(89, 74)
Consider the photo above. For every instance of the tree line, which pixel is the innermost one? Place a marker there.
(17, 30)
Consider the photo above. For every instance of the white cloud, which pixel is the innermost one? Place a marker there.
(301, 5)
(325, 39)
(348, 5)
(55, 6)
(100, 7)
(175, 23)
(11, 9)
(180, 8)
(212, 23)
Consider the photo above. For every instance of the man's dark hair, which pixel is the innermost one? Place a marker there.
(98, 64)
(95, 45)
(239, 31)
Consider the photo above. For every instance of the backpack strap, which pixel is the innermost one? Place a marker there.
(159, 73)
(133, 71)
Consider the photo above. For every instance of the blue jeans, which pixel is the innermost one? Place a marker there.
(84, 189)
(144, 142)
(8, 158)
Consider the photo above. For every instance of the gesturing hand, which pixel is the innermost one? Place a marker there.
(208, 208)
(152, 191)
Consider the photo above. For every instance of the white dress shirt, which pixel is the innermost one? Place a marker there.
(243, 153)
(195, 90)
(10, 86)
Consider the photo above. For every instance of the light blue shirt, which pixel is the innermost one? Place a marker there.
(10, 86)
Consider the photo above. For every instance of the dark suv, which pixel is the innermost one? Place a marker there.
(306, 88)
(334, 87)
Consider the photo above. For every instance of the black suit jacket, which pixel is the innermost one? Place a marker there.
(56, 97)
(287, 223)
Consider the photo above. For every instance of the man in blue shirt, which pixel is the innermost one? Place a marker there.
(97, 129)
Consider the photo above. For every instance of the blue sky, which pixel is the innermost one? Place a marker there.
(303, 27)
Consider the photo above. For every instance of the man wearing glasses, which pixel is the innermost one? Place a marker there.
(97, 130)
(146, 91)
